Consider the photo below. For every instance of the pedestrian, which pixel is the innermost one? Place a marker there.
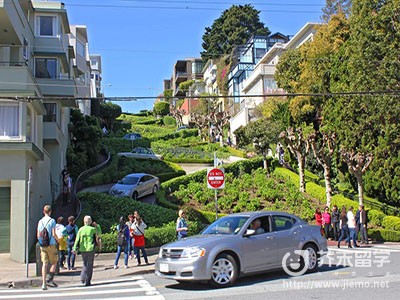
(181, 225)
(123, 237)
(318, 217)
(363, 225)
(352, 226)
(62, 242)
(357, 219)
(344, 229)
(335, 222)
(72, 231)
(326, 221)
(129, 223)
(85, 243)
(46, 234)
(67, 188)
(139, 243)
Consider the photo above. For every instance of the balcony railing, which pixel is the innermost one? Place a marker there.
(13, 64)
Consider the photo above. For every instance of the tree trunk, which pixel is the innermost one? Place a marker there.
(360, 189)
(328, 188)
(301, 163)
(265, 162)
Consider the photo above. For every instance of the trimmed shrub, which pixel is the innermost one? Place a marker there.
(237, 152)
(391, 223)
(384, 235)
(375, 217)
(169, 121)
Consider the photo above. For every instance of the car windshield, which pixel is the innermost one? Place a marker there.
(226, 225)
(129, 180)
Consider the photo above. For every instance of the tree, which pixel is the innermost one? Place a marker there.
(334, 7)
(168, 95)
(161, 108)
(108, 113)
(233, 28)
(297, 141)
(262, 133)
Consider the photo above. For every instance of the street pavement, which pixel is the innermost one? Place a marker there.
(13, 274)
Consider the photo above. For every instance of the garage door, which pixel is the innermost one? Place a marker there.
(5, 205)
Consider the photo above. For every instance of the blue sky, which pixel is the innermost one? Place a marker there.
(140, 40)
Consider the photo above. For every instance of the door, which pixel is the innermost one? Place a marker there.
(259, 250)
(5, 212)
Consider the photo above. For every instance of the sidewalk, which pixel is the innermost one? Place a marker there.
(13, 274)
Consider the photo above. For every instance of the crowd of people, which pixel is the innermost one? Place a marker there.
(60, 244)
(345, 224)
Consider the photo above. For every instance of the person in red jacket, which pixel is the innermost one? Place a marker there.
(318, 217)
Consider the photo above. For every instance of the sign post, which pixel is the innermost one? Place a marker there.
(215, 180)
(27, 221)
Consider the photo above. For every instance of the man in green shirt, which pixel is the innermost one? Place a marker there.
(85, 243)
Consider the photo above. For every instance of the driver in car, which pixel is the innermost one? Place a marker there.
(256, 226)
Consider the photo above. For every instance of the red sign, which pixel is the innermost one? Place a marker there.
(215, 178)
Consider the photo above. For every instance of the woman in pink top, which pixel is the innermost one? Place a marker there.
(326, 221)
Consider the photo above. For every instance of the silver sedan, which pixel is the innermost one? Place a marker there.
(135, 185)
(243, 244)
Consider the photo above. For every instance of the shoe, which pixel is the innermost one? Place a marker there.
(83, 281)
(126, 267)
(52, 283)
(349, 246)
(115, 267)
(44, 287)
(356, 246)
(87, 284)
(338, 245)
(147, 263)
(73, 268)
(138, 264)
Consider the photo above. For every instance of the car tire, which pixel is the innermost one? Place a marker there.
(313, 258)
(155, 189)
(135, 196)
(224, 271)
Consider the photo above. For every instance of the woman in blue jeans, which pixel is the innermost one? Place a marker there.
(344, 229)
(122, 243)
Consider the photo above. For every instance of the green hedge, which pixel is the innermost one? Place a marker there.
(154, 237)
(106, 210)
(237, 152)
(168, 176)
(191, 160)
(375, 217)
(119, 144)
(384, 235)
(391, 223)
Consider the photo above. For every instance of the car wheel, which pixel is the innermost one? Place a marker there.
(155, 189)
(224, 271)
(313, 258)
(135, 195)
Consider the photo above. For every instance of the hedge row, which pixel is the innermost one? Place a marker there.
(237, 152)
(119, 144)
(383, 235)
(154, 237)
(243, 166)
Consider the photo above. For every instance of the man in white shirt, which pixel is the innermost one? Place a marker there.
(352, 226)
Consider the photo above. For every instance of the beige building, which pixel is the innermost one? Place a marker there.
(37, 60)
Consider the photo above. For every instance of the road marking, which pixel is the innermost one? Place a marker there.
(117, 287)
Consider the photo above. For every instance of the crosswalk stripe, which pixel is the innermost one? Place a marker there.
(116, 287)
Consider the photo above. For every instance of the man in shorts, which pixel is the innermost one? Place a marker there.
(48, 254)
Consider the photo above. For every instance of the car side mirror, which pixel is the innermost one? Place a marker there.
(249, 232)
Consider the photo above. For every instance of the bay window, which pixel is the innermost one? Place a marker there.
(46, 68)
(9, 121)
(46, 26)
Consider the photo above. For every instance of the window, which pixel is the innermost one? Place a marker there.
(28, 125)
(80, 48)
(282, 222)
(46, 68)
(46, 26)
(51, 112)
(9, 121)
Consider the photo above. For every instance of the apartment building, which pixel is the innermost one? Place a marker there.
(95, 75)
(260, 81)
(36, 60)
(184, 70)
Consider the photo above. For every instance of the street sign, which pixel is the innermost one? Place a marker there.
(215, 178)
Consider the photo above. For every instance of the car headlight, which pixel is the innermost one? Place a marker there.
(193, 252)
(160, 253)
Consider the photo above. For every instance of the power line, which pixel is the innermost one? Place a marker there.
(135, 98)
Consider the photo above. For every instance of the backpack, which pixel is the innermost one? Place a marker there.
(44, 236)
(121, 240)
(71, 231)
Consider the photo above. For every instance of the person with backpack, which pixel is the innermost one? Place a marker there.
(138, 232)
(72, 231)
(85, 242)
(47, 238)
(123, 237)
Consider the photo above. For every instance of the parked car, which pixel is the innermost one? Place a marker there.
(141, 152)
(132, 136)
(229, 248)
(135, 185)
